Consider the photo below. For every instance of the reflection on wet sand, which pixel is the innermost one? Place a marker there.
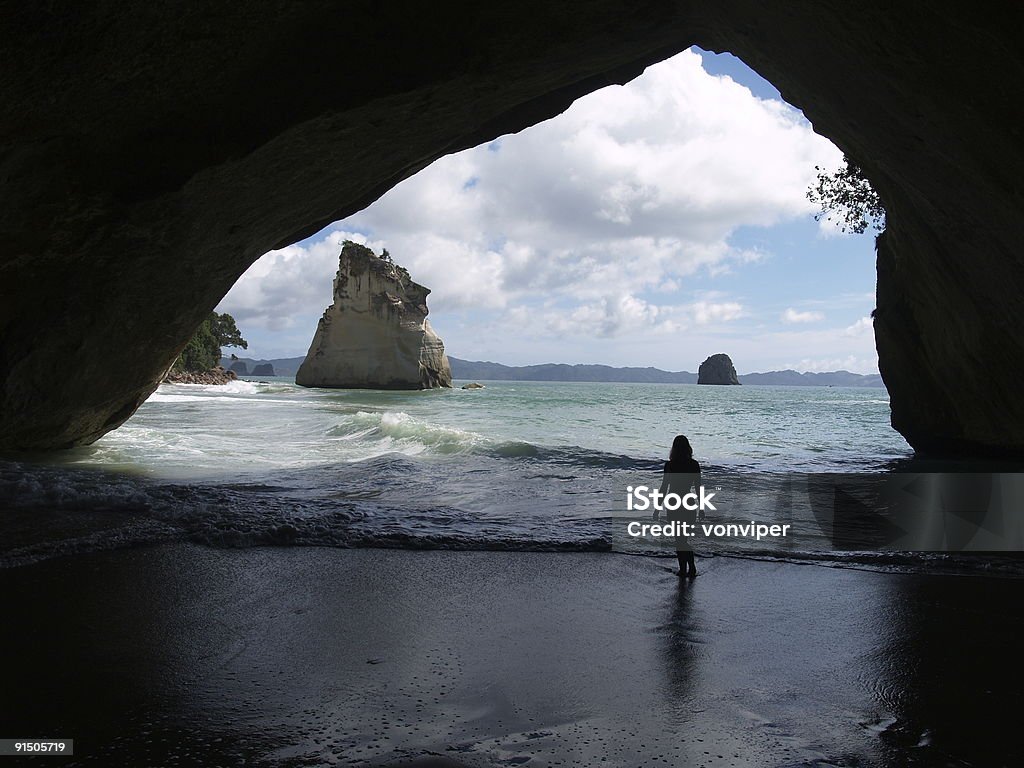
(185, 654)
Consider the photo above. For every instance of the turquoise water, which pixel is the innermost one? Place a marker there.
(189, 431)
(516, 465)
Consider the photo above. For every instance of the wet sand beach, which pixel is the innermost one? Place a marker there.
(181, 654)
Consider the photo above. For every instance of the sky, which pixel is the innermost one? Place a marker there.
(651, 224)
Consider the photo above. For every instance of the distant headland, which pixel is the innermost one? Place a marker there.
(487, 371)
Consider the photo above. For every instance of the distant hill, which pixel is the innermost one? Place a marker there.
(466, 369)
(283, 366)
(469, 369)
(791, 378)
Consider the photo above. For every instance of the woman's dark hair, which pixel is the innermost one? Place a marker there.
(681, 450)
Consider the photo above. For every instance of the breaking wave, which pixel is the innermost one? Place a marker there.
(526, 467)
(401, 432)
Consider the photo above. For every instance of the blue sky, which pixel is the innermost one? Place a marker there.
(654, 223)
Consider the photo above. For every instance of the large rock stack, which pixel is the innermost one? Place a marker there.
(717, 369)
(376, 334)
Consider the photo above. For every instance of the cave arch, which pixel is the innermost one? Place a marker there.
(149, 157)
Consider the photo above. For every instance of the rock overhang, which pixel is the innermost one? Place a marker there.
(144, 170)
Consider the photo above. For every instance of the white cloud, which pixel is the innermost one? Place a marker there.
(618, 315)
(850, 363)
(592, 225)
(631, 186)
(791, 316)
(863, 327)
(821, 349)
(705, 312)
(607, 317)
(283, 287)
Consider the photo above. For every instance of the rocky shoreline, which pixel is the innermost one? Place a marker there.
(215, 375)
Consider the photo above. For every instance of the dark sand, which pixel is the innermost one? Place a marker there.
(185, 655)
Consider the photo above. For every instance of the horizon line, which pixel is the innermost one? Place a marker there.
(604, 365)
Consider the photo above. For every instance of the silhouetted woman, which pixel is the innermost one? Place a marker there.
(682, 474)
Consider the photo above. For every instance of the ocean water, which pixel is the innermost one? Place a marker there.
(263, 426)
(516, 465)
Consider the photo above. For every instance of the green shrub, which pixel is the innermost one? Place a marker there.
(203, 350)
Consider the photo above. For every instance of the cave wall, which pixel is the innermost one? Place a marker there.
(150, 152)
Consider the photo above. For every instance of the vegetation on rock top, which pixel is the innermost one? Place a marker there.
(847, 198)
(203, 350)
